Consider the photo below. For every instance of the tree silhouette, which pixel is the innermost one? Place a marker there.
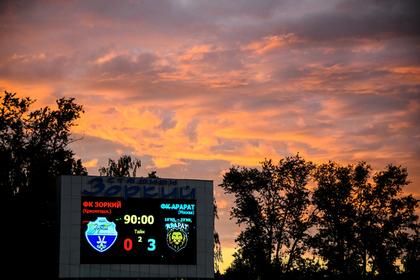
(33, 151)
(217, 246)
(392, 218)
(272, 206)
(34, 145)
(354, 225)
(364, 223)
(125, 166)
(336, 237)
(152, 174)
(411, 259)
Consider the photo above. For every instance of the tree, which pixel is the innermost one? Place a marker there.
(296, 210)
(125, 166)
(217, 246)
(34, 145)
(411, 258)
(336, 240)
(152, 174)
(33, 151)
(13, 126)
(393, 223)
(272, 206)
(363, 221)
(355, 224)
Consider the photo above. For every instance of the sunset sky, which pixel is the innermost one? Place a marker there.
(194, 87)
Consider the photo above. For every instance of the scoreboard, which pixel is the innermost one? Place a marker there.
(137, 227)
(138, 231)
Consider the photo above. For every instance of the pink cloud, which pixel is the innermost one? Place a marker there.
(271, 43)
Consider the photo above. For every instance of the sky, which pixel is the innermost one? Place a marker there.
(194, 87)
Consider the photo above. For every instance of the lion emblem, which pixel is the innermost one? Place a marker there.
(177, 239)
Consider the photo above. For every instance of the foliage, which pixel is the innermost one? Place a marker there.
(125, 166)
(217, 246)
(33, 151)
(352, 223)
(152, 174)
(272, 208)
(335, 240)
(34, 145)
(363, 223)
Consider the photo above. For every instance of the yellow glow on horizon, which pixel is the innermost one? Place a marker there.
(227, 254)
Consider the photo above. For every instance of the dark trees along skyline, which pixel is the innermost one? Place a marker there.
(302, 220)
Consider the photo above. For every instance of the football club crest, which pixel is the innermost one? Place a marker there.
(101, 234)
(177, 239)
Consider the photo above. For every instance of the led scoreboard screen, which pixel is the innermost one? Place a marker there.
(138, 231)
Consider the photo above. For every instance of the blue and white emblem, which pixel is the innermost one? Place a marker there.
(101, 234)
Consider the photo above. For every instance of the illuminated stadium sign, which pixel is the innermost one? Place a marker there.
(135, 228)
(138, 231)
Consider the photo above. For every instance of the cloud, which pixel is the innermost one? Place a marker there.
(167, 117)
(91, 163)
(96, 151)
(35, 67)
(203, 169)
(120, 65)
(360, 19)
(270, 43)
(191, 130)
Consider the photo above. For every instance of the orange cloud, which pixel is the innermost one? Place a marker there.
(270, 43)
(91, 163)
(195, 53)
(106, 57)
